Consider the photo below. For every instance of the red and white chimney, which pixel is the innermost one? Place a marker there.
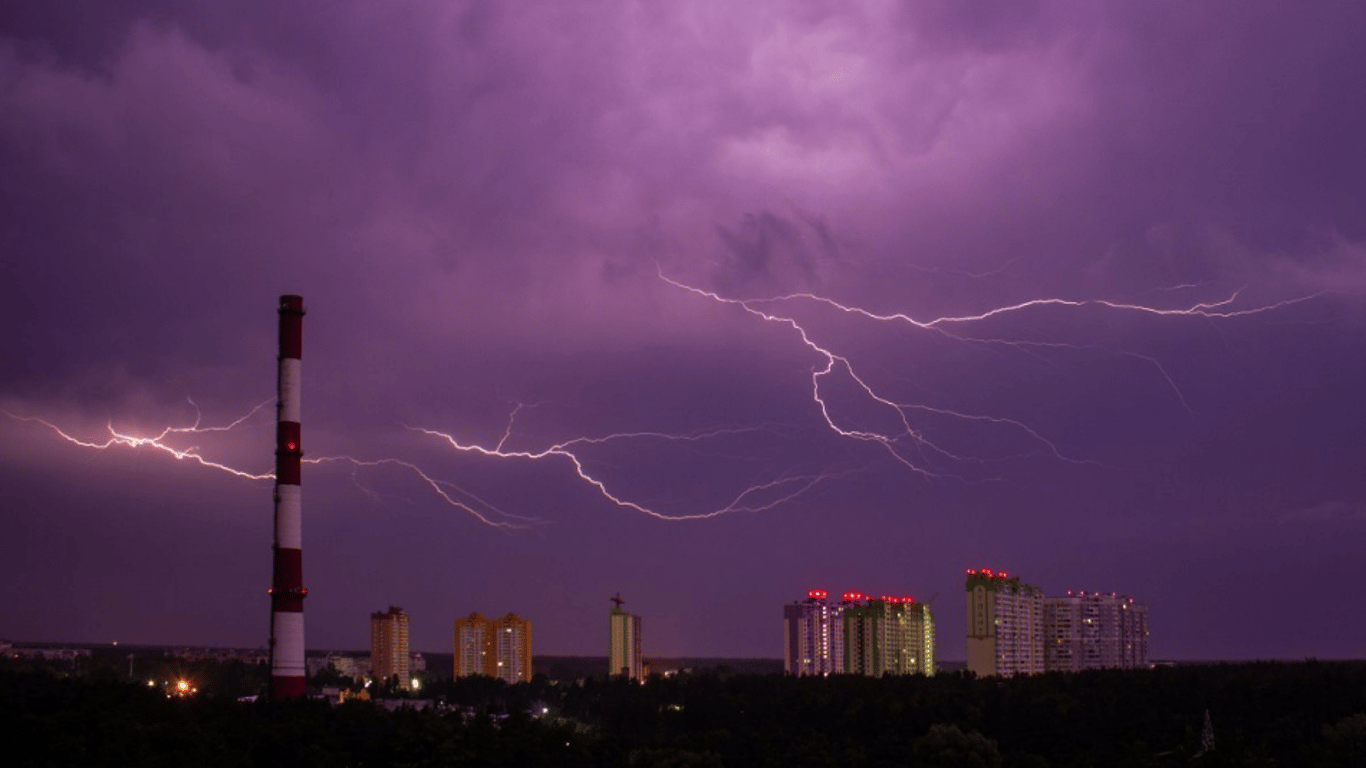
(287, 588)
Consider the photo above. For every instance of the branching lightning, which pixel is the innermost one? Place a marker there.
(158, 442)
(442, 488)
(904, 437)
(780, 490)
(473, 505)
(909, 445)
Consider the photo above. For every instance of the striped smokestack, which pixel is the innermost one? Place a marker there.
(287, 588)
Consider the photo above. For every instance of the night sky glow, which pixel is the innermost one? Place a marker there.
(709, 304)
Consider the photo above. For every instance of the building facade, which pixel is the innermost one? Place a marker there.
(623, 650)
(888, 635)
(813, 636)
(911, 629)
(1005, 625)
(498, 648)
(389, 645)
(1093, 630)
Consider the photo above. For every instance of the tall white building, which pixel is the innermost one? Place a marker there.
(623, 649)
(1005, 625)
(813, 636)
(1093, 630)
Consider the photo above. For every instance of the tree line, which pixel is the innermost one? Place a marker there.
(1259, 714)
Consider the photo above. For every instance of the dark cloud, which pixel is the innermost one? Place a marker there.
(478, 202)
(764, 248)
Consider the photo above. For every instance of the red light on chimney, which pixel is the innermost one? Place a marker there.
(972, 571)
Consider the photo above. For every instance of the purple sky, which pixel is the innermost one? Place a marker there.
(498, 208)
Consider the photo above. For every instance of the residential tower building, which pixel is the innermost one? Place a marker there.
(813, 636)
(389, 645)
(1094, 630)
(623, 649)
(1005, 625)
(888, 635)
(498, 648)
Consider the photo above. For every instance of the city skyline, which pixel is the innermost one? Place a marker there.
(711, 304)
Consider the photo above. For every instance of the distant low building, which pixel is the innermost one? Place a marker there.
(248, 656)
(65, 655)
(346, 666)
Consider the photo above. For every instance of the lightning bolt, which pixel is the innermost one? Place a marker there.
(906, 441)
(448, 492)
(512, 418)
(480, 509)
(753, 498)
(157, 442)
(910, 446)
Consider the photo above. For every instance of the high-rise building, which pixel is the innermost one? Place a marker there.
(911, 636)
(888, 635)
(471, 648)
(623, 650)
(1093, 630)
(1005, 625)
(498, 648)
(813, 636)
(389, 645)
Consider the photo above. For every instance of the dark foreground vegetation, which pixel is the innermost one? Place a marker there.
(1261, 714)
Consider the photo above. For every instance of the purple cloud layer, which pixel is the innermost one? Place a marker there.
(484, 205)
